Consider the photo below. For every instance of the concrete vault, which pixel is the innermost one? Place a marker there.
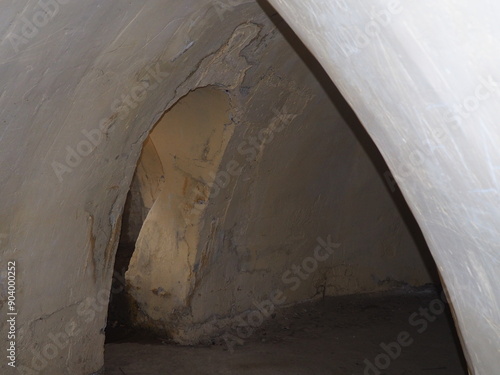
(250, 180)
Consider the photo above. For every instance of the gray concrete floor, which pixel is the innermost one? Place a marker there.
(338, 335)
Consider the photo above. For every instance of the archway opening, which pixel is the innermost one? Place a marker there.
(168, 193)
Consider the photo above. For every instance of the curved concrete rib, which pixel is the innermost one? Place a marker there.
(423, 79)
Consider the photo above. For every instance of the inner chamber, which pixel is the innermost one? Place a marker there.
(254, 202)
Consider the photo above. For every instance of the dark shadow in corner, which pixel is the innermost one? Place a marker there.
(358, 130)
(119, 326)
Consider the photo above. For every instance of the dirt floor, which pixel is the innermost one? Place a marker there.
(338, 335)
